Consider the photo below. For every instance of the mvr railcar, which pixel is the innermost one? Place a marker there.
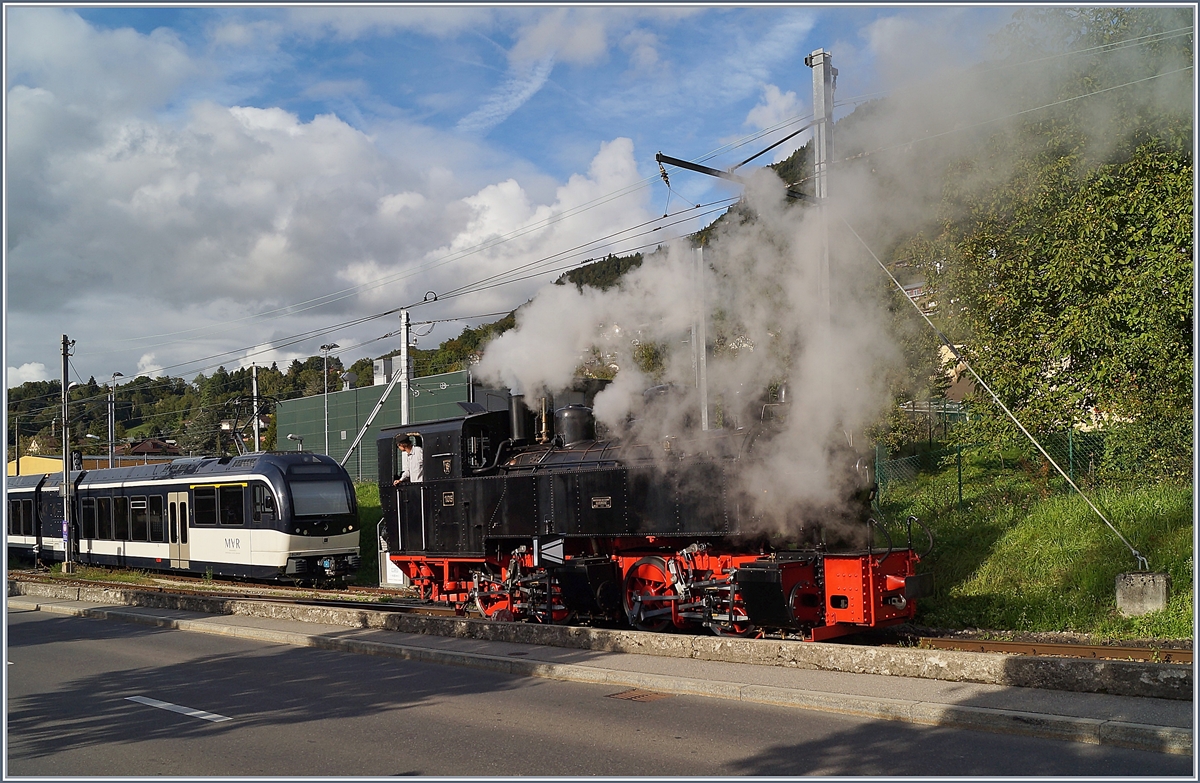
(536, 519)
(274, 516)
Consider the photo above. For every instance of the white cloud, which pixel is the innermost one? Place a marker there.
(30, 371)
(642, 46)
(148, 367)
(91, 69)
(521, 85)
(577, 36)
(775, 107)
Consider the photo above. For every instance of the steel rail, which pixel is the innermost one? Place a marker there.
(1152, 654)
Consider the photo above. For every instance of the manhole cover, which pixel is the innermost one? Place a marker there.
(637, 695)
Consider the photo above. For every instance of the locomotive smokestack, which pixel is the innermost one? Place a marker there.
(520, 419)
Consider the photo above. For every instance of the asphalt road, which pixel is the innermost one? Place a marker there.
(304, 712)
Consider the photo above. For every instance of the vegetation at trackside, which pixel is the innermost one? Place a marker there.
(369, 514)
(1020, 556)
(119, 576)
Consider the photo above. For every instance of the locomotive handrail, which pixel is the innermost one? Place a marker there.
(496, 461)
(871, 521)
(928, 533)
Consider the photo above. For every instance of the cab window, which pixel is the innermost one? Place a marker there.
(264, 503)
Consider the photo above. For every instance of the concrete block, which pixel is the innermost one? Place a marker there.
(1141, 593)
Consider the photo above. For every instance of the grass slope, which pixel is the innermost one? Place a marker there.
(1020, 555)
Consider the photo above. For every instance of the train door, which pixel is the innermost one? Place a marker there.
(177, 528)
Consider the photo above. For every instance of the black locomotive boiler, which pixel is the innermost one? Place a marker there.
(520, 517)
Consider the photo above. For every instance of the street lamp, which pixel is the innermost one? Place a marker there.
(325, 349)
(299, 441)
(112, 413)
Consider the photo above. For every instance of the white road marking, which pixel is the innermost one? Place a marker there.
(166, 705)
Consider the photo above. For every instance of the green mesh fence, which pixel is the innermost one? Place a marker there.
(1081, 455)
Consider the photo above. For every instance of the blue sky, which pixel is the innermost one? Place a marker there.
(185, 185)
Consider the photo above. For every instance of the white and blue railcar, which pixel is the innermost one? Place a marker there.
(287, 516)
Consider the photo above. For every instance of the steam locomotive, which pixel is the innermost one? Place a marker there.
(524, 517)
(274, 516)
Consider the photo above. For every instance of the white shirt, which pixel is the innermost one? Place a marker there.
(413, 464)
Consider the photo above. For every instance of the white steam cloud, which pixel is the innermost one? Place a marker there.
(767, 313)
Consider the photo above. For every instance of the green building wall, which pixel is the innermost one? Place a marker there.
(432, 397)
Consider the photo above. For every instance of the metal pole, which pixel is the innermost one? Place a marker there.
(1071, 450)
(325, 372)
(824, 80)
(700, 339)
(406, 378)
(325, 349)
(65, 489)
(112, 413)
(17, 445)
(254, 392)
(960, 478)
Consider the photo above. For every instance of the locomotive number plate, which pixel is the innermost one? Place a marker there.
(447, 498)
(602, 502)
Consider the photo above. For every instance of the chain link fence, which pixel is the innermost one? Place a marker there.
(1085, 456)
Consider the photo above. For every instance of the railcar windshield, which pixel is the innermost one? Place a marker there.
(320, 498)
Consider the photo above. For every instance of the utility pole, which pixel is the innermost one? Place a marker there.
(65, 489)
(254, 391)
(17, 445)
(406, 378)
(700, 338)
(325, 349)
(112, 413)
(824, 82)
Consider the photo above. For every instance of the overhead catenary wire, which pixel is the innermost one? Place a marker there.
(1142, 562)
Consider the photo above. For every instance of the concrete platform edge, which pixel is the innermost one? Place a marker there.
(1120, 678)
(1161, 739)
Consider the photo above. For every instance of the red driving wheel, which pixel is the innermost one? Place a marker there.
(493, 601)
(645, 580)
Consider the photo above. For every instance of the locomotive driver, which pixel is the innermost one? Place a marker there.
(412, 464)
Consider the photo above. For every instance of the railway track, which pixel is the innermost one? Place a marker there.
(389, 600)
(1098, 651)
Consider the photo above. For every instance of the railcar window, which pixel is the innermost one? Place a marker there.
(205, 499)
(313, 498)
(157, 532)
(139, 510)
(183, 523)
(121, 519)
(14, 517)
(27, 520)
(174, 524)
(104, 525)
(264, 503)
(233, 509)
(89, 518)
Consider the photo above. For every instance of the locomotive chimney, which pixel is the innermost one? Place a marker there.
(520, 419)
